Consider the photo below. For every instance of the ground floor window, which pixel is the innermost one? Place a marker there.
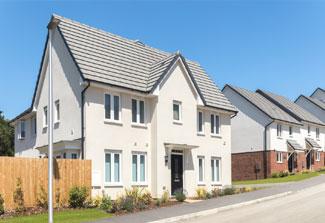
(317, 156)
(74, 156)
(112, 167)
(138, 167)
(201, 169)
(279, 157)
(215, 169)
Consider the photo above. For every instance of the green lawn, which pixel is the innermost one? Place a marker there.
(297, 177)
(70, 216)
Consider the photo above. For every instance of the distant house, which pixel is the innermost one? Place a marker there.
(315, 104)
(272, 134)
(143, 116)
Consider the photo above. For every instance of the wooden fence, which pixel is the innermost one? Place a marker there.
(34, 175)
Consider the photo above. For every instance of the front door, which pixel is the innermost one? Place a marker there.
(308, 160)
(176, 173)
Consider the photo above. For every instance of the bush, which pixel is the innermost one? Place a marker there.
(283, 173)
(57, 197)
(201, 193)
(158, 202)
(127, 204)
(165, 197)
(78, 197)
(2, 208)
(180, 196)
(145, 198)
(216, 192)
(42, 199)
(229, 191)
(275, 175)
(19, 196)
(106, 203)
(208, 195)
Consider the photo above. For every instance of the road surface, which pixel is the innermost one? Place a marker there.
(307, 206)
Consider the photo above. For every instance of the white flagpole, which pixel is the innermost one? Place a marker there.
(51, 27)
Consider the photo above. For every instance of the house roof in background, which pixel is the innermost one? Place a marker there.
(114, 60)
(318, 89)
(266, 106)
(290, 107)
(315, 101)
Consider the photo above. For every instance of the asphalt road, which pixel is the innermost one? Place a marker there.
(307, 206)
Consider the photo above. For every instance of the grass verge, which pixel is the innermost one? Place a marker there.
(293, 178)
(71, 216)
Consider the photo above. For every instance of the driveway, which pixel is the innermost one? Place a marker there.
(304, 206)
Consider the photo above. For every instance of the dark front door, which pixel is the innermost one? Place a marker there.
(176, 172)
(308, 160)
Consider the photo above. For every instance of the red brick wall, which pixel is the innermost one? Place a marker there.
(273, 166)
(301, 161)
(318, 164)
(243, 165)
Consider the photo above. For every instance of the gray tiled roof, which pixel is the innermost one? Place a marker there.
(317, 102)
(290, 107)
(114, 60)
(265, 105)
(313, 143)
(294, 144)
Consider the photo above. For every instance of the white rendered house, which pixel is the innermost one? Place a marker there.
(143, 116)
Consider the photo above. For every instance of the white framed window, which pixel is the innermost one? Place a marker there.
(215, 170)
(33, 125)
(22, 130)
(139, 173)
(215, 124)
(200, 122)
(308, 129)
(112, 107)
(177, 111)
(318, 155)
(317, 133)
(138, 110)
(74, 156)
(57, 111)
(201, 171)
(279, 130)
(45, 117)
(113, 167)
(290, 130)
(279, 157)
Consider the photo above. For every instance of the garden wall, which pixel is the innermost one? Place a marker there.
(34, 175)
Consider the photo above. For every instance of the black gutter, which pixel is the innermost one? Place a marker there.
(265, 149)
(83, 121)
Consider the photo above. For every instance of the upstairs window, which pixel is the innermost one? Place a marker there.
(137, 111)
(200, 122)
(33, 125)
(112, 107)
(279, 130)
(215, 124)
(45, 116)
(22, 130)
(290, 130)
(57, 111)
(317, 133)
(308, 129)
(177, 116)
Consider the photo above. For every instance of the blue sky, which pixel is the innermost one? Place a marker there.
(272, 45)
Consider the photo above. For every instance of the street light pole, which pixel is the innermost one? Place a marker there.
(51, 28)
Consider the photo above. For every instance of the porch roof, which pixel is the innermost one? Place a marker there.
(294, 145)
(179, 146)
(312, 143)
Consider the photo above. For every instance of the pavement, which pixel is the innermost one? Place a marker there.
(305, 206)
(172, 212)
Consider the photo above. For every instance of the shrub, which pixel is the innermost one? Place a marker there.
(158, 202)
(201, 193)
(57, 197)
(2, 208)
(19, 196)
(106, 203)
(42, 199)
(208, 195)
(165, 197)
(78, 197)
(127, 204)
(305, 171)
(283, 174)
(275, 175)
(180, 196)
(229, 191)
(97, 201)
(216, 192)
(292, 173)
(145, 198)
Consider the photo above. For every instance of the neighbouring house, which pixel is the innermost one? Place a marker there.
(143, 116)
(315, 104)
(272, 134)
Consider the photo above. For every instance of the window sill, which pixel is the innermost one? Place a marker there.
(216, 136)
(139, 125)
(216, 183)
(113, 185)
(201, 184)
(21, 138)
(201, 134)
(279, 162)
(291, 136)
(139, 184)
(177, 122)
(113, 122)
(279, 137)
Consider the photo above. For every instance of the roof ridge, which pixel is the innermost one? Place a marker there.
(109, 33)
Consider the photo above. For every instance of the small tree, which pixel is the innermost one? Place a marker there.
(42, 200)
(19, 196)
